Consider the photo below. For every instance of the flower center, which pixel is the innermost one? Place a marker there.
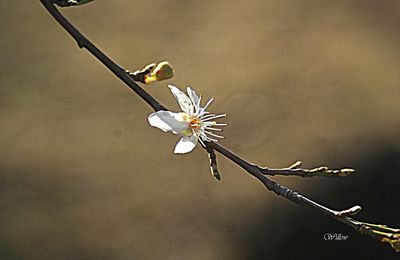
(194, 122)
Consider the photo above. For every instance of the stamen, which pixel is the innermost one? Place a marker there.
(211, 139)
(214, 117)
(214, 129)
(202, 112)
(208, 124)
(212, 134)
(208, 103)
(207, 116)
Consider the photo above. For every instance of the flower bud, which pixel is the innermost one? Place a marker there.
(161, 71)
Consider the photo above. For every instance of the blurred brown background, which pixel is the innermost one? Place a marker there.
(83, 176)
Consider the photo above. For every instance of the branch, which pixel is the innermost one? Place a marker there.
(295, 169)
(118, 71)
(377, 231)
(381, 232)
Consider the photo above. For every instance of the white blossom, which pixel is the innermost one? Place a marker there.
(194, 123)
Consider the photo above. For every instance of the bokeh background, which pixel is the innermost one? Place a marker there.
(83, 176)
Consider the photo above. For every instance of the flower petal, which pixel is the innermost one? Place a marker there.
(184, 101)
(168, 121)
(195, 99)
(186, 144)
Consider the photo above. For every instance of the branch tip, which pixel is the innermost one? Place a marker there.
(381, 232)
(350, 212)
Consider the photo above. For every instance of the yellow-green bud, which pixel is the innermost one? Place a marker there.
(161, 71)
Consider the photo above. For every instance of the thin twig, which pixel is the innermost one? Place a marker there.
(380, 232)
(295, 169)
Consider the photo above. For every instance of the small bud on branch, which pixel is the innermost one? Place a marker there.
(153, 72)
(67, 3)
